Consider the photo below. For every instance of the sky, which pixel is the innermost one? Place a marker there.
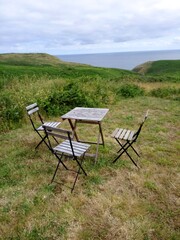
(61, 27)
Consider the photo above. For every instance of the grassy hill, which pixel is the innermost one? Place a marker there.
(167, 70)
(159, 67)
(40, 65)
(115, 201)
(34, 59)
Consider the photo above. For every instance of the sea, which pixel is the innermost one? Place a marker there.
(122, 60)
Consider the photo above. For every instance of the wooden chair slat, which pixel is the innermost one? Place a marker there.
(33, 110)
(122, 134)
(31, 106)
(127, 135)
(118, 133)
(131, 135)
(115, 132)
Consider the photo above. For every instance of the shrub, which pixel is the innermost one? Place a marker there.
(62, 100)
(10, 112)
(171, 93)
(130, 91)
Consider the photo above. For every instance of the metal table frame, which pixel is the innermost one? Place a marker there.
(89, 116)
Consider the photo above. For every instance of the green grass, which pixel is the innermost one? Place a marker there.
(162, 70)
(115, 201)
(165, 66)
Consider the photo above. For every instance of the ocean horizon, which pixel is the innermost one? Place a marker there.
(121, 60)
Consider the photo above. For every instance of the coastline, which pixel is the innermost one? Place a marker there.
(121, 60)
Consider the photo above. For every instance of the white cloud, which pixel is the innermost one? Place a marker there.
(61, 27)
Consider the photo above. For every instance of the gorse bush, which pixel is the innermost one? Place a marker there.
(54, 101)
(130, 91)
(62, 100)
(10, 112)
(169, 93)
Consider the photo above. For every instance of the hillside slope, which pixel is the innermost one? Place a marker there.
(159, 67)
(29, 59)
(40, 64)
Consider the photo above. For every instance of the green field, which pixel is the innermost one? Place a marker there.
(115, 201)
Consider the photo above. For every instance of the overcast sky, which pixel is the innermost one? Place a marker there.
(88, 26)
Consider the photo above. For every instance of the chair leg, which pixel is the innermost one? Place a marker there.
(43, 140)
(59, 161)
(80, 168)
(56, 140)
(124, 150)
(55, 171)
(128, 156)
(123, 146)
(135, 151)
(75, 179)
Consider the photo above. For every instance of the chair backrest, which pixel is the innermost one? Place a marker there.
(32, 110)
(59, 133)
(140, 126)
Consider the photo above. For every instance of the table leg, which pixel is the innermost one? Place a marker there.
(101, 133)
(73, 127)
(97, 147)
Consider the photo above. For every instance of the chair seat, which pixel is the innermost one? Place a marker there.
(50, 124)
(65, 147)
(123, 134)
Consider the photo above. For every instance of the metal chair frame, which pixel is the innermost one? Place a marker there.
(33, 110)
(68, 148)
(129, 137)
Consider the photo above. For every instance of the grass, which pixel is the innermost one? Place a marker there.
(115, 201)
(163, 70)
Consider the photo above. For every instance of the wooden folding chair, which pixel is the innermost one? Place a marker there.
(67, 148)
(126, 138)
(37, 122)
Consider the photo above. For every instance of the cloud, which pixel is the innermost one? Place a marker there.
(86, 26)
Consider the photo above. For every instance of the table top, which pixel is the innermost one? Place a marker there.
(89, 114)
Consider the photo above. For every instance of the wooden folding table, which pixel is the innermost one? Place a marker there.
(90, 116)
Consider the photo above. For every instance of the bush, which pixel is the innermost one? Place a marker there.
(130, 91)
(171, 93)
(10, 112)
(62, 100)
